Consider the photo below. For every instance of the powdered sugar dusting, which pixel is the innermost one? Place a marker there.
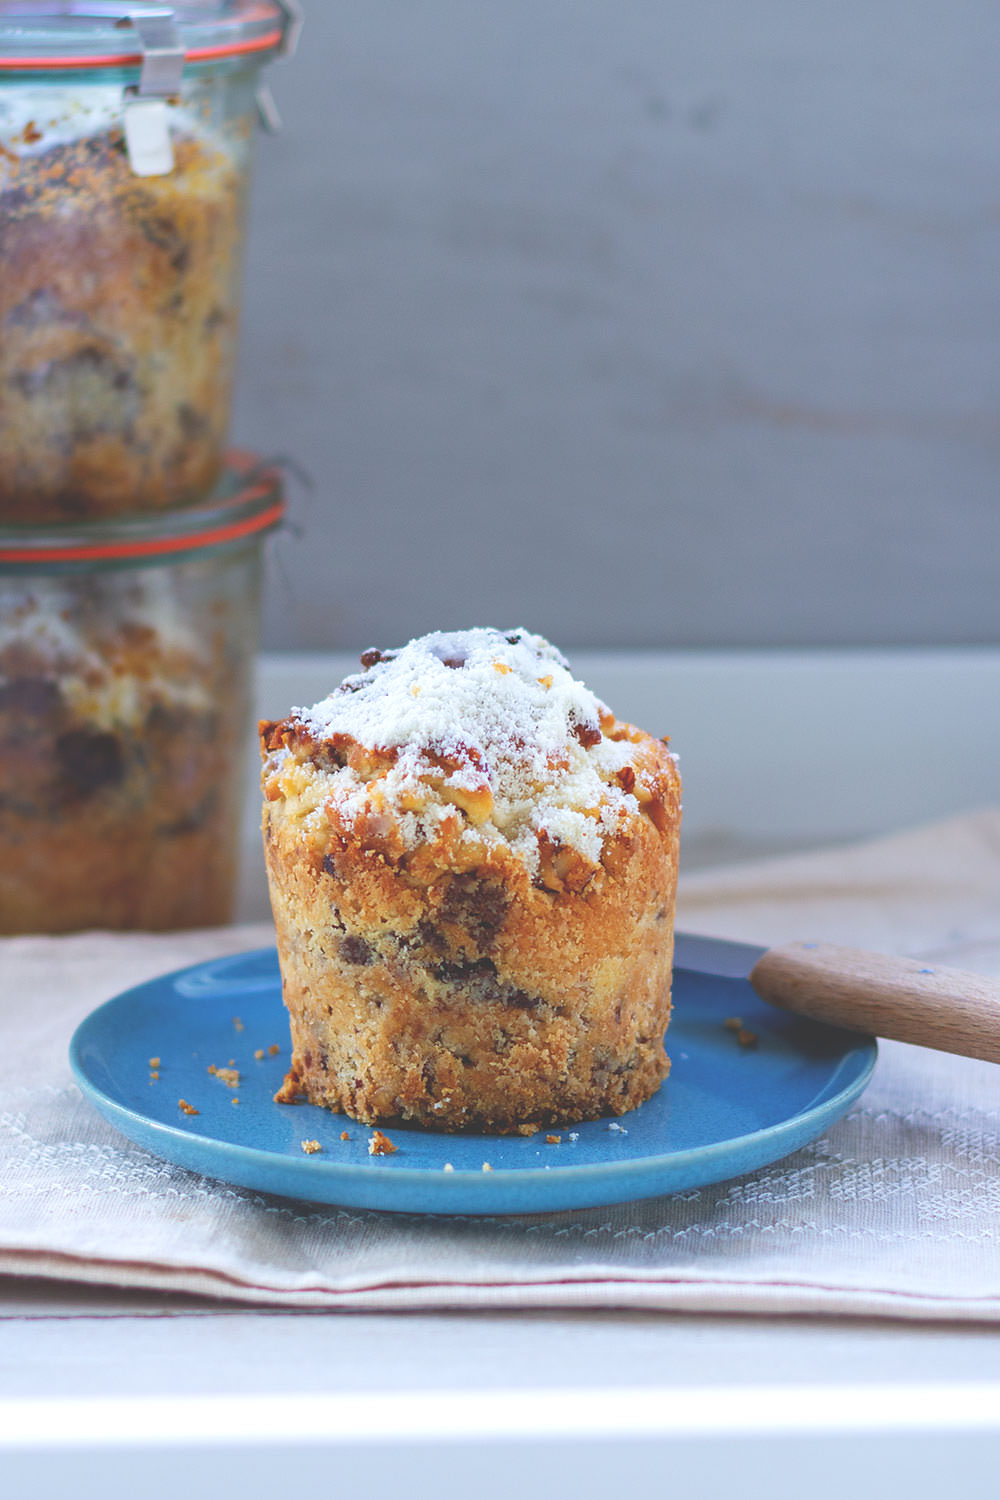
(502, 695)
(491, 721)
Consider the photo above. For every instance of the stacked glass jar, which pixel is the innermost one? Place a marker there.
(130, 540)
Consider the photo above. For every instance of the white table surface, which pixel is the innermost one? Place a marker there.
(109, 1391)
(129, 1395)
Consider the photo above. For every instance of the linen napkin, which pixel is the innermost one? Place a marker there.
(895, 1211)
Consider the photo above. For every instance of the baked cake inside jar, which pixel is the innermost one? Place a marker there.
(118, 313)
(472, 867)
(120, 725)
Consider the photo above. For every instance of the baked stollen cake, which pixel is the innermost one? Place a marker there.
(472, 866)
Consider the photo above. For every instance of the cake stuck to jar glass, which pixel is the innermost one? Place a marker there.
(472, 867)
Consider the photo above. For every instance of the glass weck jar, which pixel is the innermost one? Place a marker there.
(125, 144)
(126, 677)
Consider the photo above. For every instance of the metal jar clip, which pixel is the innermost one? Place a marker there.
(144, 112)
(267, 110)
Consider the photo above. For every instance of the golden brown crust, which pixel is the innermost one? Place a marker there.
(118, 312)
(444, 983)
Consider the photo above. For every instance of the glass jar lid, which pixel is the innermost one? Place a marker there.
(45, 35)
(248, 502)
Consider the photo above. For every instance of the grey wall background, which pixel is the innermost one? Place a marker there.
(634, 322)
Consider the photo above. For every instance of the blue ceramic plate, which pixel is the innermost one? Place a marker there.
(725, 1109)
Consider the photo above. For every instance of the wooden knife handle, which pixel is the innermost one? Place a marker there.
(905, 999)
